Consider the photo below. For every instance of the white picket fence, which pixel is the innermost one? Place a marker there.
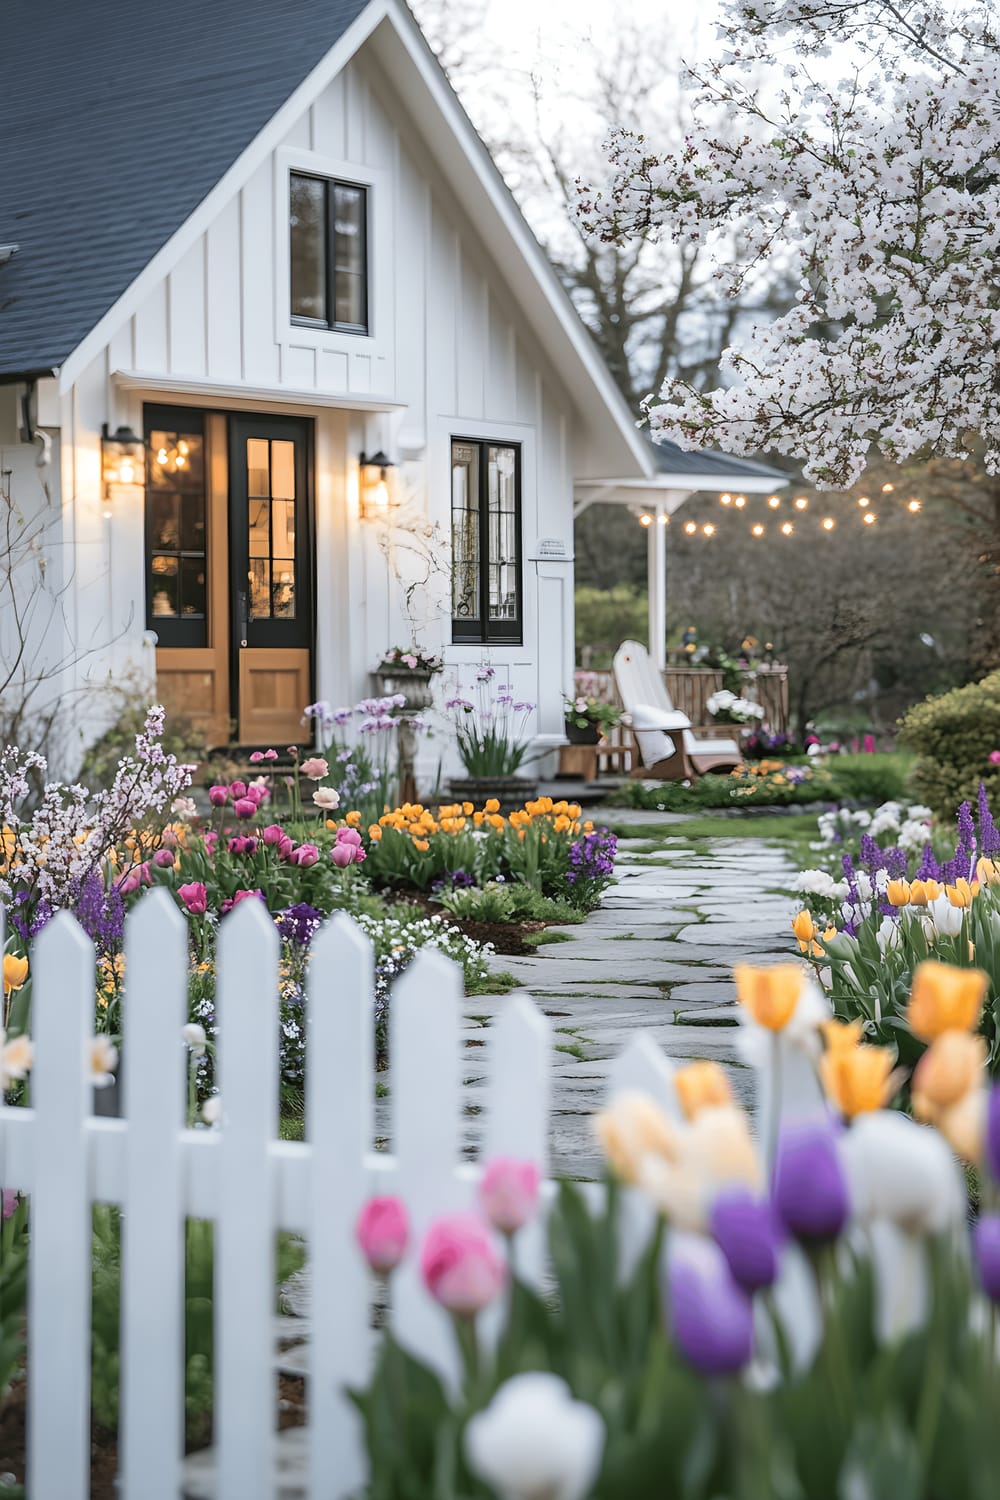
(250, 1184)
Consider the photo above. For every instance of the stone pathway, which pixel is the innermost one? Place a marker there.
(656, 956)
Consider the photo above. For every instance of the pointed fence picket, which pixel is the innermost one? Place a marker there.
(250, 1185)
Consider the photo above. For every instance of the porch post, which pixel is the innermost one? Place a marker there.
(656, 578)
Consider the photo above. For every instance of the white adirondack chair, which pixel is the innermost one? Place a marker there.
(667, 747)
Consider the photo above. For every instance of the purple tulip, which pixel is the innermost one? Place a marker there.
(986, 1239)
(712, 1317)
(748, 1236)
(993, 1132)
(810, 1190)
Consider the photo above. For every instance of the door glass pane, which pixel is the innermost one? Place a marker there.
(192, 530)
(164, 586)
(502, 501)
(260, 542)
(283, 528)
(283, 589)
(349, 254)
(164, 531)
(260, 588)
(465, 531)
(192, 586)
(282, 471)
(307, 230)
(258, 481)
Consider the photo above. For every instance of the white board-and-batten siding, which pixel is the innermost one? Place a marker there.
(450, 353)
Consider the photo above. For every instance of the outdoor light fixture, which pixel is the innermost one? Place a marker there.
(740, 501)
(801, 503)
(645, 520)
(757, 530)
(913, 506)
(773, 501)
(690, 527)
(123, 459)
(376, 497)
(787, 528)
(828, 523)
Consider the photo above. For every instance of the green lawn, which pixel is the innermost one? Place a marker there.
(785, 826)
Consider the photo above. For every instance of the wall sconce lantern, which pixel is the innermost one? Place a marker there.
(376, 492)
(123, 458)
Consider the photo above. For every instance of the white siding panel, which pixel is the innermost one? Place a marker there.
(222, 274)
(357, 110)
(443, 276)
(360, 366)
(187, 313)
(300, 133)
(380, 139)
(298, 367)
(331, 370)
(527, 386)
(501, 366)
(152, 350)
(121, 350)
(412, 218)
(330, 119)
(472, 343)
(260, 352)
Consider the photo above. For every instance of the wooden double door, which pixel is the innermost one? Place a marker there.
(229, 570)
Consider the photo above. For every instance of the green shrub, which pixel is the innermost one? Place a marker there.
(871, 778)
(507, 903)
(952, 736)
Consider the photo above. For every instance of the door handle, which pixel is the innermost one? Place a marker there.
(243, 617)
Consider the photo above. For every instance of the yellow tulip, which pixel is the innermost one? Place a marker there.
(805, 930)
(477, 819)
(17, 1058)
(922, 891)
(701, 1085)
(857, 1079)
(962, 893)
(952, 1066)
(561, 823)
(898, 892)
(633, 1126)
(770, 995)
(988, 872)
(375, 833)
(964, 1125)
(353, 819)
(943, 998)
(422, 845)
(491, 806)
(15, 972)
(468, 809)
(842, 1036)
(830, 934)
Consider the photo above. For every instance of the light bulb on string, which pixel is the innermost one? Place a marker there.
(757, 529)
(870, 518)
(663, 520)
(913, 506)
(887, 489)
(828, 523)
(690, 528)
(773, 501)
(645, 520)
(725, 499)
(740, 501)
(801, 502)
(708, 529)
(863, 501)
(787, 528)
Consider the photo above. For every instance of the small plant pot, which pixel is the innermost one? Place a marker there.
(511, 792)
(413, 683)
(589, 735)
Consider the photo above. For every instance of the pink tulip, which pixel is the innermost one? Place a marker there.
(508, 1193)
(211, 839)
(237, 789)
(140, 875)
(349, 836)
(285, 847)
(305, 854)
(256, 756)
(270, 755)
(273, 833)
(239, 896)
(164, 859)
(195, 897)
(243, 807)
(343, 855)
(218, 795)
(9, 1202)
(382, 1231)
(460, 1267)
(315, 768)
(242, 845)
(995, 757)
(256, 794)
(869, 744)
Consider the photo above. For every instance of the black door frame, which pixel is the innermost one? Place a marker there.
(298, 633)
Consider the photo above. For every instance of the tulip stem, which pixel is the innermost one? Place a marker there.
(775, 1105)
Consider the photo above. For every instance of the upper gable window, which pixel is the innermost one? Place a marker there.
(329, 253)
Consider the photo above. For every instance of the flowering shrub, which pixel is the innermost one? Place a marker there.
(760, 744)
(413, 659)
(490, 731)
(780, 1313)
(360, 762)
(727, 708)
(584, 711)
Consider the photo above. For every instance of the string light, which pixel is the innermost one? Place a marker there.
(801, 503)
(773, 501)
(740, 501)
(645, 520)
(663, 520)
(690, 527)
(870, 518)
(708, 529)
(887, 489)
(725, 499)
(863, 500)
(913, 505)
(828, 523)
(787, 528)
(757, 530)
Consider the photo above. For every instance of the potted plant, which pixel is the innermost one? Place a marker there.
(589, 719)
(490, 734)
(408, 670)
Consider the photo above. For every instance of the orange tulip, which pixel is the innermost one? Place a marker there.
(701, 1085)
(962, 893)
(943, 998)
(770, 995)
(898, 892)
(857, 1079)
(15, 972)
(953, 1064)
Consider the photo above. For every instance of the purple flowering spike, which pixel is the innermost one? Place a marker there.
(810, 1190)
(711, 1317)
(966, 827)
(929, 868)
(986, 1240)
(746, 1232)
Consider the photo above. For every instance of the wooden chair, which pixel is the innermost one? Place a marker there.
(667, 748)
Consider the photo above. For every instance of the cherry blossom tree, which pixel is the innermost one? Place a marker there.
(870, 161)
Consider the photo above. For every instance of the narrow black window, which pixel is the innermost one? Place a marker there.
(486, 540)
(176, 550)
(329, 253)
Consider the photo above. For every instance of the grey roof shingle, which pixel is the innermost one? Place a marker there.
(116, 120)
(669, 459)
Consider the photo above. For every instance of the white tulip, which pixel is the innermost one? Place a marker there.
(889, 935)
(211, 1110)
(194, 1037)
(326, 798)
(535, 1442)
(901, 1171)
(946, 920)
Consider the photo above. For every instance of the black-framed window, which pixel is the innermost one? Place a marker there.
(485, 540)
(328, 235)
(175, 541)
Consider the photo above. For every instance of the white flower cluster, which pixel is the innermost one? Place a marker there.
(400, 936)
(907, 825)
(875, 194)
(736, 710)
(71, 830)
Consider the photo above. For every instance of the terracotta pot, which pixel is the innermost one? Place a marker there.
(511, 792)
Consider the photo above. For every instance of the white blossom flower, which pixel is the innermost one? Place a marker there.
(535, 1442)
(16, 1058)
(327, 798)
(211, 1110)
(103, 1061)
(194, 1037)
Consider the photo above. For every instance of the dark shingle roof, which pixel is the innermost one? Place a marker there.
(669, 459)
(116, 120)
